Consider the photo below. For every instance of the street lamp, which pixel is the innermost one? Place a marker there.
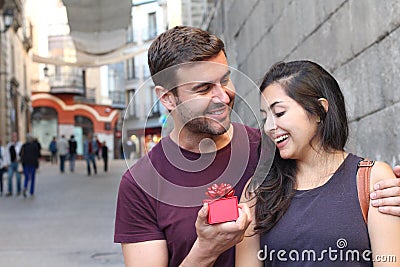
(46, 71)
(8, 17)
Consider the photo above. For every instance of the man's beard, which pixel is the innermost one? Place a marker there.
(206, 126)
(201, 123)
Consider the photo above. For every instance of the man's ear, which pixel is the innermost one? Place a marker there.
(324, 103)
(167, 98)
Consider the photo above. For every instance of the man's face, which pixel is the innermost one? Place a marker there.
(14, 137)
(205, 96)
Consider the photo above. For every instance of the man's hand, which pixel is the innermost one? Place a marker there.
(387, 194)
(212, 240)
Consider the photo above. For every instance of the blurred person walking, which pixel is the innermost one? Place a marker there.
(72, 152)
(104, 155)
(98, 149)
(53, 151)
(89, 151)
(11, 159)
(29, 155)
(37, 143)
(2, 166)
(62, 147)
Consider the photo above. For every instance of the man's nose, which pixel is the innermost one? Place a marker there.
(221, 94)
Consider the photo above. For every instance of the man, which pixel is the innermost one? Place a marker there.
(29, 154)
(98, 151)
(72, 152)
(104, 155)
(89, 152)
(11, 162)
(53, 151)
(158, 201)
(2, 167)
(39, 146)
(62, 148)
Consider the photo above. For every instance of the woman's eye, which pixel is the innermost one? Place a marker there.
(279, 114)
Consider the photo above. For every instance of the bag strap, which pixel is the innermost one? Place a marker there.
(363, 185)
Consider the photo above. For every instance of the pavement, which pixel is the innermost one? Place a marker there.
(69, 222)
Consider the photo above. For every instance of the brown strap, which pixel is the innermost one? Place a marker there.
(363, 185)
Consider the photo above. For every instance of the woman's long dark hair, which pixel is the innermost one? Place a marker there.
(305, 82)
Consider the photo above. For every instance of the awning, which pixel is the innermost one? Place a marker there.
(86, 61)
(98, 27)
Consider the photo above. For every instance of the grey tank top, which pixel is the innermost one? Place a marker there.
(322, 227)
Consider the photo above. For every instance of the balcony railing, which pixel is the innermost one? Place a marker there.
(66, 84)
(89, 98)
(118, 99)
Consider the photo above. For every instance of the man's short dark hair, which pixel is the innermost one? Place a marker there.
(181, 44)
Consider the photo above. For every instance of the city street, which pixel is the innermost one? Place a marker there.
(69, 222)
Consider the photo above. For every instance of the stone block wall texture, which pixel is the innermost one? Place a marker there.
(358, 41)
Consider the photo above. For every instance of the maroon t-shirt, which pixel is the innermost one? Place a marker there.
(159, 197)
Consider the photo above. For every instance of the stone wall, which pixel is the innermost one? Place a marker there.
(358, 41)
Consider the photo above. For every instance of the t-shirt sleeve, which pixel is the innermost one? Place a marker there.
(136, 217)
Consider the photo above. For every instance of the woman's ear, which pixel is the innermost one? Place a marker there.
(324, 103)
(167, 98)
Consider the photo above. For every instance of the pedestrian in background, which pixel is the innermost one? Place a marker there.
(37, 143)
(72, 152)
(121, 150)
(98, 149)
(53, 151)
(89, 151)
(11, 160)
(104, 155)
(62, 148)
(2, 167)
(29, 155)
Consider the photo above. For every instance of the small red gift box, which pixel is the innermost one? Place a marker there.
(223, 205)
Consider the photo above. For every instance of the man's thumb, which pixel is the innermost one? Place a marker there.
(203, 212)
(396, 171)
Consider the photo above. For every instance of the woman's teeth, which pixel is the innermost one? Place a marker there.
(281, 138)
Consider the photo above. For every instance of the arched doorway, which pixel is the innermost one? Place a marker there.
(83, 126)
(44, 125)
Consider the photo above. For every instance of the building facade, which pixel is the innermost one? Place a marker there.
(15, 66)
(142, 122)
(68, 98)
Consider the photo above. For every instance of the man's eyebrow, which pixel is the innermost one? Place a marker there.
(227, 74)
(197, 86)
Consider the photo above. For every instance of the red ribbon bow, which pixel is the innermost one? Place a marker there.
(218, 191)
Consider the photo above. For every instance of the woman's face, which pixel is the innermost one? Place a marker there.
(287, 123)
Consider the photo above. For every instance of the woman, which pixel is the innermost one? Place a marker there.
(307, 211)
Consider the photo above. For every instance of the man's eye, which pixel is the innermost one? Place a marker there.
(204, 89)
(225, 82)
